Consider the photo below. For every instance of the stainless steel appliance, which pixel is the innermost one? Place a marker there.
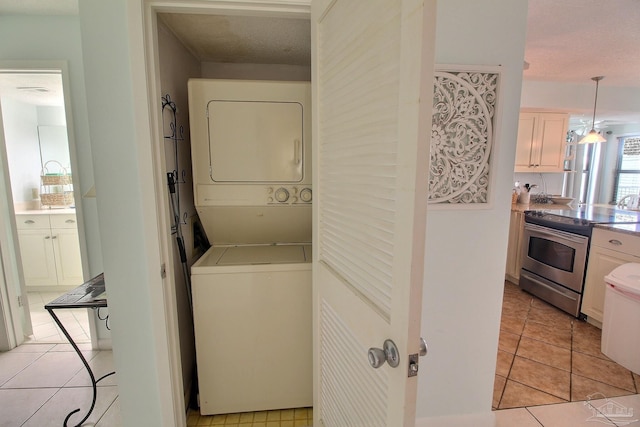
(555, 251)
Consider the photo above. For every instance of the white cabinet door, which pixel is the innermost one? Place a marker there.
(552, 135)
(50, 250)
(372, 66)
(38, 258)
(67, 253)
(525, 146)
(609, 249)
(514, 250)
(541, 142)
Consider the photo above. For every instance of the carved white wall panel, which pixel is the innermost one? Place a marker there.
(462, 136)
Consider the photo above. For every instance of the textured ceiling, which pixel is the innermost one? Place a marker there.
(574, 40)
(236, 39)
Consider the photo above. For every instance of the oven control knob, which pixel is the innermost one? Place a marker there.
(282, 194)
(305, 195)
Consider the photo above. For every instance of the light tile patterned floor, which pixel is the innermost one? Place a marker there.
(547, 356)
(41, 383)
(299, 417)
(76, 321)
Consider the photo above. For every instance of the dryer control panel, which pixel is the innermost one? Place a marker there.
(289, 195)
(277, 194)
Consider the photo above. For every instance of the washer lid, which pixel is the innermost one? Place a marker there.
(627, 277)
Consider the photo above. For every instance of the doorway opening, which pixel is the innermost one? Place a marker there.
(40, 194)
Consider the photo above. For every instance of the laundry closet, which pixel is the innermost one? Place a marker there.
(251, 145)
(245, 81)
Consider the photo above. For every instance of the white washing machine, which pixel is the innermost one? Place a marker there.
(252, 289)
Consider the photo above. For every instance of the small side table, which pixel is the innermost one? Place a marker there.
(90, 294)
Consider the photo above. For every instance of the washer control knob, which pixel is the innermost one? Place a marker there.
(282, 194)
(305, 195)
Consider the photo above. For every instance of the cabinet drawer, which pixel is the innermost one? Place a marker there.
(615, 241)
(64, 221)
(28, 222)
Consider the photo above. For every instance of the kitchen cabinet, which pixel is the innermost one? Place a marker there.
(609, 249)
(50, 250)
(514, 252)
(541, 142)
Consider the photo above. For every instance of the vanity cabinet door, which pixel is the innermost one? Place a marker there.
(50, 250)
(67, 256)
(38, 258)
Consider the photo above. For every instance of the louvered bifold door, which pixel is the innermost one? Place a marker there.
(370, 157)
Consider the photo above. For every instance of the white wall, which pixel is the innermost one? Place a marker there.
(20, 122)
(124, 168)
(177, 65)
(578, 98)
(466, 249)
(214, 70)
(32, 132)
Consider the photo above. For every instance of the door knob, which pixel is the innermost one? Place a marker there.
(388, 353)
(423, 347)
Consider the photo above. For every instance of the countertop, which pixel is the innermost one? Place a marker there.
(519, 207)
(52, 211)
(633, 229)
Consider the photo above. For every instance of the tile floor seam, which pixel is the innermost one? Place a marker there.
(515, 353)
(2, 386)
(537, 389)
(41, 406)
(534, 417)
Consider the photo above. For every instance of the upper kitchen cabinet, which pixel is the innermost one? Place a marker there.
(541, 142)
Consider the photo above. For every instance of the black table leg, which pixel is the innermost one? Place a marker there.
(94, 382)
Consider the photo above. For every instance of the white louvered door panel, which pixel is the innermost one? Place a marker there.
(372, 65)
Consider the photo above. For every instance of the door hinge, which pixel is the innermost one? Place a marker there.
(19, 300)
(163, 271)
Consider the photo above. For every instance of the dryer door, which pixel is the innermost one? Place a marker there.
(255, 141)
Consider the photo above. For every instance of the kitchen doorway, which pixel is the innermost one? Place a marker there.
(41, 245)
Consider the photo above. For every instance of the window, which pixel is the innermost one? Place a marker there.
(627, 174)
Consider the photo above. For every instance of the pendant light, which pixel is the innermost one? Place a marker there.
(593, 136)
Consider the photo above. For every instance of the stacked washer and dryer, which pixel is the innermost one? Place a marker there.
(251, 145)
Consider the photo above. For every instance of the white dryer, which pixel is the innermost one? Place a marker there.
(252, 289)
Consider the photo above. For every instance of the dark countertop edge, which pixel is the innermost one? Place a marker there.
(631, 229)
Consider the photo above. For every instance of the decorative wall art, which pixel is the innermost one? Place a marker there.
(462, 137)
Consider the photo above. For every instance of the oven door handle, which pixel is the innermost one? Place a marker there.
(555, 233)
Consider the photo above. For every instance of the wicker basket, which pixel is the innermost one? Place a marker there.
(57, 199)
(56, 179)
(59, 178)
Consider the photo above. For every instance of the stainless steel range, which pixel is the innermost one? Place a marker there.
(555, 251)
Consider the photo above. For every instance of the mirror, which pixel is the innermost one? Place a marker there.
(54, 146)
